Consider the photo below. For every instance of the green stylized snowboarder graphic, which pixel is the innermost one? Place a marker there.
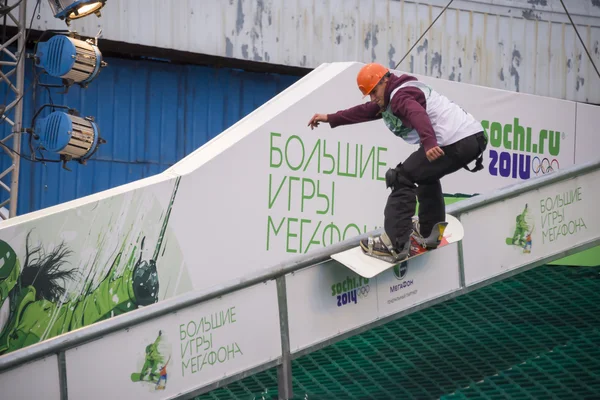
(35, 304)
(154, 369)
(523, 230)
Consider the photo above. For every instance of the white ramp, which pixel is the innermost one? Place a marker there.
(264, 191)
(205, 339)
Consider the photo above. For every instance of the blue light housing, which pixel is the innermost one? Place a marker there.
(74, 60)
(74, 9)
(68, 135)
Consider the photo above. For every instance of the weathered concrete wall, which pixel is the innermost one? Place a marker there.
(520, 45)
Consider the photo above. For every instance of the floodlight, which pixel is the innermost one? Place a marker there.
(75, 9)
(69, 135)
(73, 60)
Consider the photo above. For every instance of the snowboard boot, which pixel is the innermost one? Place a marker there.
(381, 247)
(435, 237)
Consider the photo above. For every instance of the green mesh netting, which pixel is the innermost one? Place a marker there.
(533, 336)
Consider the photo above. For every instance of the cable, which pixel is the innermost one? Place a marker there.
(426, 30)
(581, 40)
(37, 113)
(4, 10)
(42, 160)
(2, 115)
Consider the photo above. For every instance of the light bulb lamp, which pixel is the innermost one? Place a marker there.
(68, 10)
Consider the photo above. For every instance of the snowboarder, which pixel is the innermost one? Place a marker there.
(521, 229)
(449, 138)
(161, 384)
(151, 368)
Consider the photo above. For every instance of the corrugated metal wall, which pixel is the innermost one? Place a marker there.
(152, 114)
(520, 45)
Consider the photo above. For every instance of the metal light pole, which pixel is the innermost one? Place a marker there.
(16, 63)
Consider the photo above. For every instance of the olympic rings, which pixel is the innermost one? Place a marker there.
(544, 166)
(363, 291)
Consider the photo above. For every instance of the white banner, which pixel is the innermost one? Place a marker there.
(34, 380)
(528, 135)
(180, 352)
(282, 189)
(326, 300)
(416, 281)
(116, 254)
(303, 189)
(588, 121)
(329, 299)
(530, 227)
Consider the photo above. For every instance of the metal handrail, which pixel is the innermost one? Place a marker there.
(519, 188)
(90, 333)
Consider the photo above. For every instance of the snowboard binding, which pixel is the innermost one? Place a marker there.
(381, 246)
(435, 237)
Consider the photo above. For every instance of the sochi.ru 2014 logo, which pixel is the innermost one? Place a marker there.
(519, 151)
(154, 364)
(523, 229)
(350, 290)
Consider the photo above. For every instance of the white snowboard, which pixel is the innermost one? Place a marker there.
(368, 266)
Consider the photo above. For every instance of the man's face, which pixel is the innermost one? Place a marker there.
(377, 93)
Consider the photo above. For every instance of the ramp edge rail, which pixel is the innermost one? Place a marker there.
(59, 344)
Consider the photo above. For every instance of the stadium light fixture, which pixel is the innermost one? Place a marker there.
(68, 10)
(74, 61)
(73, 137)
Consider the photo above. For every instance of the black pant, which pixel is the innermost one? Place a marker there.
(418, 170)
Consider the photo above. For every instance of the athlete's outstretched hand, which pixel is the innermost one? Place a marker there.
(434, 153)
(316, 119)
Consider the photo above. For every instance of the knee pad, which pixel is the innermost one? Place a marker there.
(394, 178)
(390, 178)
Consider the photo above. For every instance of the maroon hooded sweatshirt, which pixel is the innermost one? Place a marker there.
(408, 104)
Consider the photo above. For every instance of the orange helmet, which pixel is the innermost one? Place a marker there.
(369, 76)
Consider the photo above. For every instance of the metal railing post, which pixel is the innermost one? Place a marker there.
(461, 264)
(62, 376)
(284, 371)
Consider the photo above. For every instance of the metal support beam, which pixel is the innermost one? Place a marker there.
(284, 370)
(62, 376)
(14, 105)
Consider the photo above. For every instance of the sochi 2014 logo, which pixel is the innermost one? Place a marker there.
(520, 151)
(350, 290)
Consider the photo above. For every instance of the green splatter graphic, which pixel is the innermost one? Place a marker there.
(38, 298)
